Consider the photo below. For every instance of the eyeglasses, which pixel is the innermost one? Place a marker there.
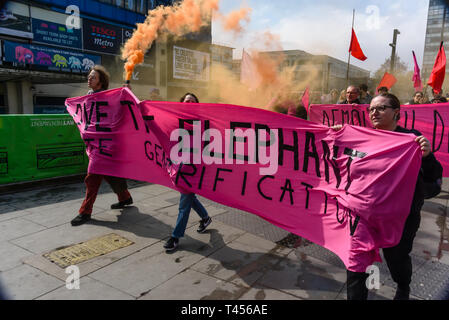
(378, 109)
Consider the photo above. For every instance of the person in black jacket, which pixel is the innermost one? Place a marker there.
(352, 95)
(384, 113)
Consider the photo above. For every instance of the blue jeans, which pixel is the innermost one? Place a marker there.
(186, 203)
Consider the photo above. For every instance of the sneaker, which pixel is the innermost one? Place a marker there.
(122, 204)
(80, 219)
(171, 244)
(203, 224)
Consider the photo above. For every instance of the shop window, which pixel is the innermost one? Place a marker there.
(49, 105)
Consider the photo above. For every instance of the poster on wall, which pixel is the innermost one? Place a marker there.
(190, 64)
(14, 24)
(101, 37)
(56, 34)
(49, 58)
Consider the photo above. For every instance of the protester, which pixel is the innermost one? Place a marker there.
(342, 97)
(155, 95)
(424, 100)
(384, 113)
(382, 90)
(365, 97)
(439, 100)
(98, 80)
(187, 201)
(352, 95)
(417, 98)
(334, 96)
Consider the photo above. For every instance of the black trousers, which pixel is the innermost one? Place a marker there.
(397, 258)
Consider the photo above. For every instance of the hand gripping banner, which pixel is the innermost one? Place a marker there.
(430, 119)
(349, 191)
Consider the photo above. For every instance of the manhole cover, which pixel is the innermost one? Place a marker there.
(87, 250)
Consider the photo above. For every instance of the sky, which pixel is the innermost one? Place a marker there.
(324, 27)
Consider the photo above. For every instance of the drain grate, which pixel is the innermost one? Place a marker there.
(84, 251)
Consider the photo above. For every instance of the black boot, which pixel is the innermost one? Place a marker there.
(80, 219)
(122, 204)
(402, 293)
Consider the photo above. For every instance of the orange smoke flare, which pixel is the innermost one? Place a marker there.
(182, 18)
(133, 60)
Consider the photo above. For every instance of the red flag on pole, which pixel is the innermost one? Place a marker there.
(305, 99)
(355, 49)
(388, 80)
(417, 84)
(439, 69)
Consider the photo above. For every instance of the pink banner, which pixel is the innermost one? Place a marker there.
(338, 189)
(430, 119)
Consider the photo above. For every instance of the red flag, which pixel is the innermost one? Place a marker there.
(355, 49)
(388, 81)
(439, 69)
(417, 84)
(305, 99)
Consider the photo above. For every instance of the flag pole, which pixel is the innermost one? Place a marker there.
(349, 54)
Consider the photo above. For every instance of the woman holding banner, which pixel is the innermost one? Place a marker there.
(186, 203)
(98, 80)
(384, 113)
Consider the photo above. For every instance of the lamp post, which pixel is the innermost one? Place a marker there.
(393, 50)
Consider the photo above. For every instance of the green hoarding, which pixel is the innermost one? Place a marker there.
(34, 147)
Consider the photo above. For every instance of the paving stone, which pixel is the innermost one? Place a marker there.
(239, 263)
(307, 278)
(262, 244)
(60, 236)
(192, 285)
(141, 272)
(427, 240)
(127, 215)
(263, 293)
(25, 283)
(16, 228)
(154, 189)
(12, 255)
(383, 293)
(105, 200)
(56, 214)
(89, 289)
(8, 212)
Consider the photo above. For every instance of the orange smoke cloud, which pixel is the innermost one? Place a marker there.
(232, 21)
(278, 86)
(182, 18)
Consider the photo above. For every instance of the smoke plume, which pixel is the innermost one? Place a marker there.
(180, 19)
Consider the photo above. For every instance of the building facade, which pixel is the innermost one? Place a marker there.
(437, 31)
(328, 73)
(48, 47)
